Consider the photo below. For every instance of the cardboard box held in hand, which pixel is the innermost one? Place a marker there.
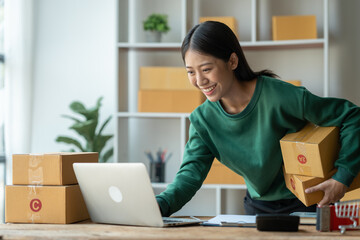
(311, 151)
(309, 157)
(297, 185)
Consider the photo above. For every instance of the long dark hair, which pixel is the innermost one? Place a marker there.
(218, 40)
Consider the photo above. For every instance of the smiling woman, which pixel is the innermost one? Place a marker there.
(242, 121)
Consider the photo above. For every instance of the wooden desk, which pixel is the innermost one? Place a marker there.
(88, 230)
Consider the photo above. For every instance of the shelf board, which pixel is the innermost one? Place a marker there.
(206, 186)
(149, 45)
(305, 43)
(247, 45)
(152, 115)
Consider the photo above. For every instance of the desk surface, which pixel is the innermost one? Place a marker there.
(89, 230)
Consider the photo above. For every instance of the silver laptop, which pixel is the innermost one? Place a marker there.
(121, 193)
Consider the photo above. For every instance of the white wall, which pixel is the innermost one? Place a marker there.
(344, 53)
(75, 58)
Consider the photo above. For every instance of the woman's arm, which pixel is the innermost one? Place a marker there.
(188, 180)
(346, 116)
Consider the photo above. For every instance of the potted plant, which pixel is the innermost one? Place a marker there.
(154, 26)
(86, 127)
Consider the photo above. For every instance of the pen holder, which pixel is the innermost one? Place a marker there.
(157, 172)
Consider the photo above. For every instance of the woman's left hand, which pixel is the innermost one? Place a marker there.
(333, 191)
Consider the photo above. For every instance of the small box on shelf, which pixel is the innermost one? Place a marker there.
(182, 101)
(351, 195)
(353, 192)
(220, 174)
(294, 82)
(294, 27)
(165, 78)
(229, 21)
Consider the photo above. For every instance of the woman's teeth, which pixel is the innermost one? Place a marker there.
(208, 89)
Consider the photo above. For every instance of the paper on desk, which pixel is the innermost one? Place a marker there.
(222, 220)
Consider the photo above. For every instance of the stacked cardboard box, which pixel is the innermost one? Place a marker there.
(45, 189)
(294, 82)
(220, 174)
(353, 192)
(167, 89)
(294, 27)
(309, 157)
(229, 21)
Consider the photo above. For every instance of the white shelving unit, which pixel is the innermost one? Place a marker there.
(306, 60)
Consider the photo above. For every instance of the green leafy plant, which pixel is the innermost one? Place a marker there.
(156, 22)
(86, 127)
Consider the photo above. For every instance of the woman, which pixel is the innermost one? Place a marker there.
(241, 122)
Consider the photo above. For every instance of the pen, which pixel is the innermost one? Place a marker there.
(149, 155)
(163, 156)
(168, 157)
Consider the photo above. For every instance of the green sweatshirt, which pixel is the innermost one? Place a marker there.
(248, 142)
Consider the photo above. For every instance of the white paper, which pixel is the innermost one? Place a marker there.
(240, 219)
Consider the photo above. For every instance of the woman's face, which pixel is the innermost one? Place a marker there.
(213, 76)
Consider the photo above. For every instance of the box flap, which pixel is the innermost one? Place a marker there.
(311, 134)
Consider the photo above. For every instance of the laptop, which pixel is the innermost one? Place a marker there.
(121, 193)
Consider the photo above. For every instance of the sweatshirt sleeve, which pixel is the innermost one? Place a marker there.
(345, 115)
(196, 164)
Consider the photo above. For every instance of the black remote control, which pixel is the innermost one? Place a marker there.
(277, 222)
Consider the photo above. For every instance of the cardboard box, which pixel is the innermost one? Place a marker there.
(297, 185)
(351, 195)
(48, 169)
(229, 21)
(311, 151)
(294, 82)
(183, 101)
(355, 184)
(353, 192)
(220, 174)
(44, 204)
(164, 78)
(294, 27)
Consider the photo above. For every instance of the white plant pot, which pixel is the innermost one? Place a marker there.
(153, 36)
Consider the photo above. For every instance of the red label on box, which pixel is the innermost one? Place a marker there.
(292, 183)
(302, 159)
(35, 205)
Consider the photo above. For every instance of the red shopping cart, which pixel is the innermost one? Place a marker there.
(350, 210)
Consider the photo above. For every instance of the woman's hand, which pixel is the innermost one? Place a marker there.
(333, 191)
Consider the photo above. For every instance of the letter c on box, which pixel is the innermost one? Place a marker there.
(35, 205)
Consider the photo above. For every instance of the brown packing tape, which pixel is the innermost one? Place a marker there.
(34, 205)
(35, 171)
(305, 170)
(307, 133)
